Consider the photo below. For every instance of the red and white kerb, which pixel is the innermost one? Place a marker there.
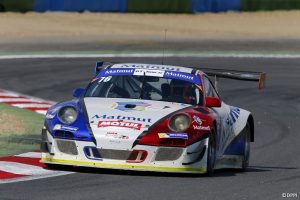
(24, 101)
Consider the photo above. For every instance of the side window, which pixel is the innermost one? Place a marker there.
(208, 88)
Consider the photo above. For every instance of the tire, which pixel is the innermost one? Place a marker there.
(211, 153)
(246, 156)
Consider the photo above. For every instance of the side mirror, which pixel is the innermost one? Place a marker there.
(78, 92)
(212, 102)
(98, 67)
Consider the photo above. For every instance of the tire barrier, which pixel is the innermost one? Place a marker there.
(258, 5)
(80, 5)
(215, 5)
(159, 6)
(16, 5)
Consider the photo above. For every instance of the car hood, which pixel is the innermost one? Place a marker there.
(116, 123)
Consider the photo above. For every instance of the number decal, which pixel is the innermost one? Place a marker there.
(104, 79)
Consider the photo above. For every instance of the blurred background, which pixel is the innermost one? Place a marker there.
(137, 25)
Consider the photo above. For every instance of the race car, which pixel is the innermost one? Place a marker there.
(150, 117)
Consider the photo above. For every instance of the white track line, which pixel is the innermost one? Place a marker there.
(156, 55)
(43, 112)
(31, 105)
(26, 101)
(11, 94)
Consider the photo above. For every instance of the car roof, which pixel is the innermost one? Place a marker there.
(153, 67)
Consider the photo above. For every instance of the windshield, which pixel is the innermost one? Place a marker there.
(145, 87)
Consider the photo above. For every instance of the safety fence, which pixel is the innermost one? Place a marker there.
(147, 6)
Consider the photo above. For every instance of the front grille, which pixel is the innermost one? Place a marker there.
(114, 154)
(67, 146)
(168, 154)
(130, 156)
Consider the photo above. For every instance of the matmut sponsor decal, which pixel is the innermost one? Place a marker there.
(148, 66)
(132, 125)
(120, 117)
(201, 128)
(182, 76)
(115, 71)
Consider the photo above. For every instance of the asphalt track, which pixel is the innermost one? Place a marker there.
(275, 161)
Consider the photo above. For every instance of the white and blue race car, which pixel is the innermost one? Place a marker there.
(152, 118)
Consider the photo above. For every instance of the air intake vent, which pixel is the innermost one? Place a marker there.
(67, 146)
(63, 134)
(135, 156)
(168, 154)
(114, 154)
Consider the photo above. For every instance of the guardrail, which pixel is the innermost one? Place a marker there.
(147, 6)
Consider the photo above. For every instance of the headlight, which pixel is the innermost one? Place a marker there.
(179, 122)
(67, 115)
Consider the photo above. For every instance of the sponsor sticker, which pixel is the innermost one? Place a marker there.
(121, 124)
(182, 76)
(173, 135)
(146, 72)
(149, 66)
(104, 79)
(120, 117)
(197, 120)
(199, 123)
(116, 136)
(115, 72)
(130, 106)
(202, 128)
(65, 128)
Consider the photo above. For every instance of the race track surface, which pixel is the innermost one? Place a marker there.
(275, 161)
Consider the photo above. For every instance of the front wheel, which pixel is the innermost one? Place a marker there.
(246, 155)
(211, 153)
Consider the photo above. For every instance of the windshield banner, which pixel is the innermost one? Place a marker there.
(158, 73)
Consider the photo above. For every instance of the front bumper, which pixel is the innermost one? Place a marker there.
(192, 159)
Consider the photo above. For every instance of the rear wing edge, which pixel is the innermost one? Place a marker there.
(259, 77)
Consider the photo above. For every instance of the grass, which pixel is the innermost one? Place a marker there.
(19, 130)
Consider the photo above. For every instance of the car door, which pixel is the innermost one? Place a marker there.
(224, 131)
